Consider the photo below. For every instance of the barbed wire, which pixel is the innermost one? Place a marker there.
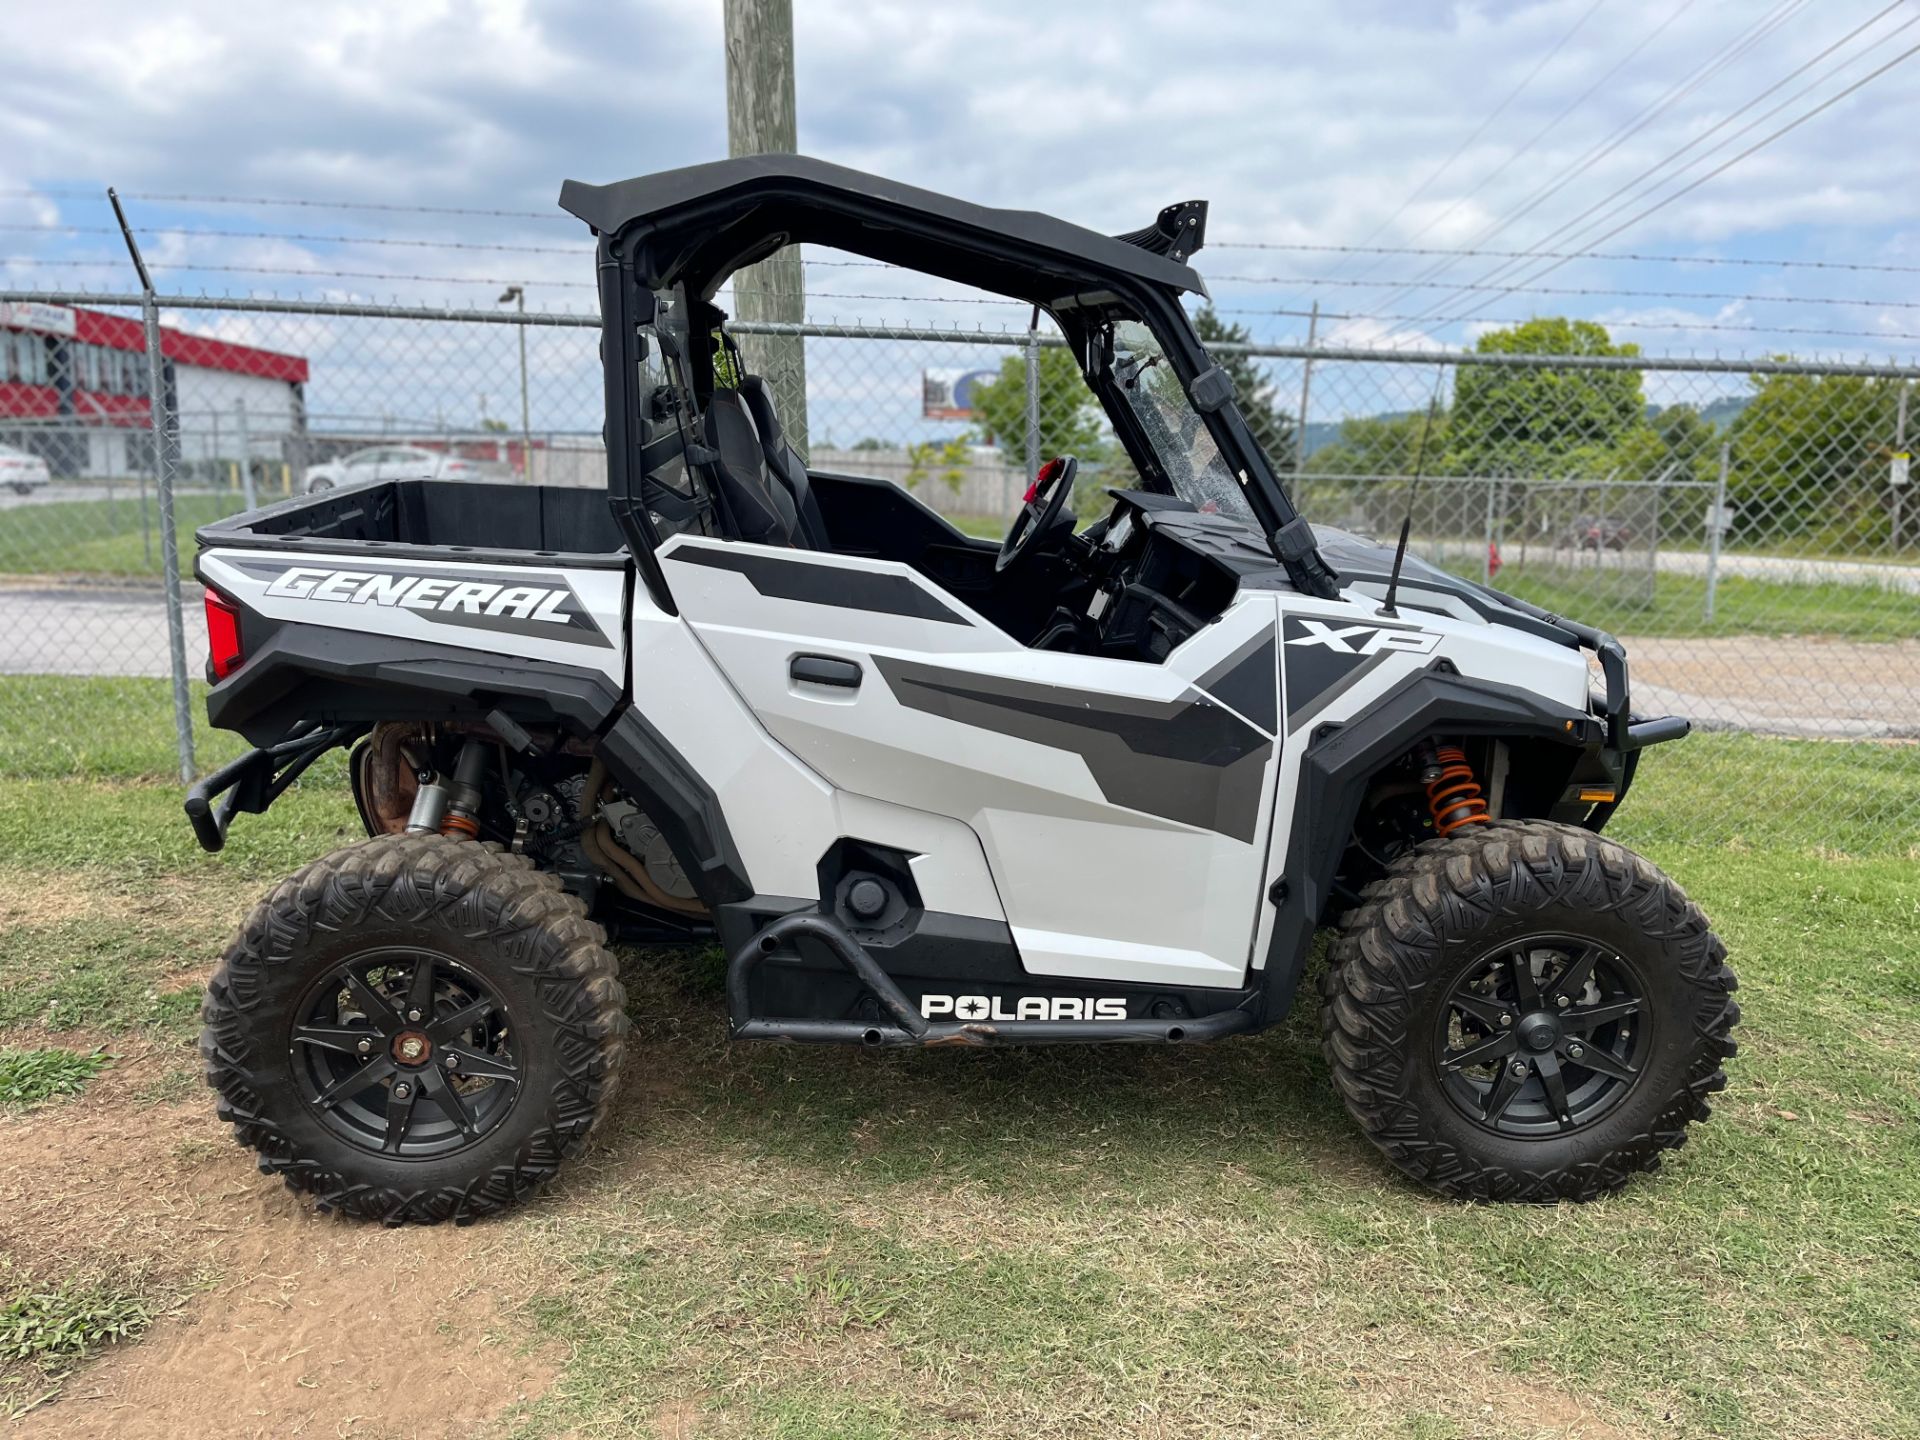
(1303, 247)
(66, 192)
(1590, 291)
(1441, 321)
(120, 261)
(195, 232)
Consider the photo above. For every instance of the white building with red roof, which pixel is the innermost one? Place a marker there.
(73, 388)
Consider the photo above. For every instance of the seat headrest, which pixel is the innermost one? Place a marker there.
(759, 397)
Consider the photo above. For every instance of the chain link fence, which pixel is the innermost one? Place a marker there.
(1747, 526)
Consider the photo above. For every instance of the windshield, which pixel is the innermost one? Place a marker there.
(1180, 438)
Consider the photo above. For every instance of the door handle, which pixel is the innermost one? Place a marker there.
(825, 670)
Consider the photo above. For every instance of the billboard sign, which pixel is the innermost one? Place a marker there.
(947, 394)
(32, 315)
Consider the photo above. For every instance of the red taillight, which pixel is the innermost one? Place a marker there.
(223, 635)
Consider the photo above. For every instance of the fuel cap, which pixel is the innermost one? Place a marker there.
(866, 898)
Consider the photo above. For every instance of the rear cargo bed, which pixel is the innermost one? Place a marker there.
(436, 520)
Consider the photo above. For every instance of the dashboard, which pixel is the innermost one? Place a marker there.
(1157, 571)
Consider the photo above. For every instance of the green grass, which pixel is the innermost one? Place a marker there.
(30, 1076)
(102, 538)
(802, 1242)
(60, 725)
(46, 1328)
(1676, 605)
(1197, 1242)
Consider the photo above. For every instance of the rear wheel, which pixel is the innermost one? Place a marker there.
(416, 1029)
(1526, 1011)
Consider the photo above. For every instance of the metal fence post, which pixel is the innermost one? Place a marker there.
(246, 452)
(1900, 446)
(163, 468)
(1717, 527)
(1486, 555)
(1306, 393)
(1033, 403)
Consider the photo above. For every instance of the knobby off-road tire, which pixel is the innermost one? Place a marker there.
(1439, 943)
(495, 929)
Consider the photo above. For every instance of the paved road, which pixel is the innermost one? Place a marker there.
(94, 630)
(1778, 569)
(62, 490)
(1796, 685)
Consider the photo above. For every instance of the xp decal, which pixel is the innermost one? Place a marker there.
(1358, 639)
(1325, 658)
(1027, 1007)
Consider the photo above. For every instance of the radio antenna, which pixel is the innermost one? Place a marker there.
(1406, 524)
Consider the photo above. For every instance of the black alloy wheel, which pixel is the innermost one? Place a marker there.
(405, 1052)
(1543, 1035)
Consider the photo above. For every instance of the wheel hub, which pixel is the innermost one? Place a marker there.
(1539, 1032)
(412, 1048)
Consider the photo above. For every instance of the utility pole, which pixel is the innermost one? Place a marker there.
(760, 121)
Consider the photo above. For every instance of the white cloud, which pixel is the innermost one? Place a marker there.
(1312, 122)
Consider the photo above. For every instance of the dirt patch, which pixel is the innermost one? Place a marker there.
(44, 899)
(294, 1324)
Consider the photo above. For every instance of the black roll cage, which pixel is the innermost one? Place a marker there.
(691, 229)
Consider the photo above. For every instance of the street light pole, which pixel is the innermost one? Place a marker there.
(519, 293)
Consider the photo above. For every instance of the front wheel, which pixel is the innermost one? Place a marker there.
(1526, 1011)
(415, 1028)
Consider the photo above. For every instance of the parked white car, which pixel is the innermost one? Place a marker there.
(391, 462)
(22, 473)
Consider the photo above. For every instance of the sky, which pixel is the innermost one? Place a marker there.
(1499, 125)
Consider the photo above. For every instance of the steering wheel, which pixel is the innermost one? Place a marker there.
(1044, 500)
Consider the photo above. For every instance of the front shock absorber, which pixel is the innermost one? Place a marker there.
(1453, 793)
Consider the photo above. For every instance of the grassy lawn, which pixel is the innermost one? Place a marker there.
(800, 1242)
(1676, 605)
(102, 538)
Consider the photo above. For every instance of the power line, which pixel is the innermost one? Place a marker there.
(1492, 116)
(1728, 164)
(1673, 95)
(1614, 202)
(1673, 15)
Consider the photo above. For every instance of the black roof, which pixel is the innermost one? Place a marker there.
(699, 224)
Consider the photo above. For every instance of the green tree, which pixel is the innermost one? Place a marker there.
(1383, 445)
(1539, 420)
(1811, 455)
(1070, 419)
(1258, 396)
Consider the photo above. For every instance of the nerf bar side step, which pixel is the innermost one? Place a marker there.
(909, 1027)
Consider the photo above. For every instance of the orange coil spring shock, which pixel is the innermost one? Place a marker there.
(456, 825)
(1453, 795)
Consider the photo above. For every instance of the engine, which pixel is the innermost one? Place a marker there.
(553, 802)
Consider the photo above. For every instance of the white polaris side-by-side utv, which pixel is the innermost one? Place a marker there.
(1090, 784)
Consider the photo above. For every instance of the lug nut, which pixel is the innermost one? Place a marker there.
(1563, 1001)
(453, 1062)
(365, 1047)
(414, 1016)
(1518, 1069)
(1506, 1020)
(1574, 1052)
(402, 1090)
